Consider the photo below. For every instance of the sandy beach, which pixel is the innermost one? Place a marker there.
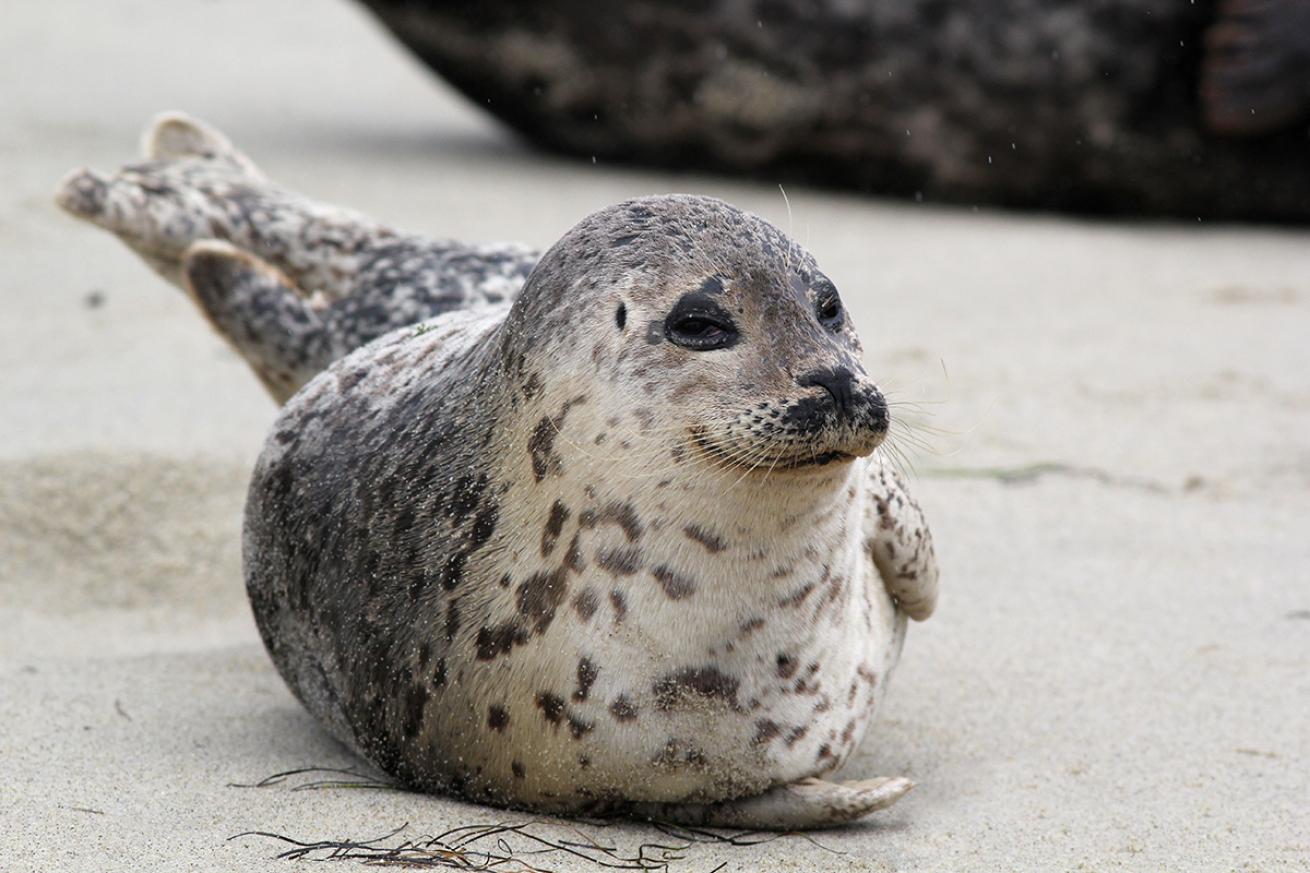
(1116, 421)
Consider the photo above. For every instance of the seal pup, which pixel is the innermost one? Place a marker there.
(618, 543)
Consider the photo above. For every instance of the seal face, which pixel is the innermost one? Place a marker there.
(620, 543)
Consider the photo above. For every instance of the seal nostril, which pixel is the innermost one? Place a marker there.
(838, 382)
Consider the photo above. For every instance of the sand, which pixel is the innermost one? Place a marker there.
(1118, 477)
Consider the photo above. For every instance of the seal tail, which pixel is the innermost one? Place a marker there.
(260, 313)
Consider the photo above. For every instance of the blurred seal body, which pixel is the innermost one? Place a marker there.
(623, 545)
(1193, 109)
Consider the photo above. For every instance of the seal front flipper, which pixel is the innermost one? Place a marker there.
(805, 805)
(261, 314)
(897, 537)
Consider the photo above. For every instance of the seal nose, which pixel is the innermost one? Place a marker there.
(839, 382)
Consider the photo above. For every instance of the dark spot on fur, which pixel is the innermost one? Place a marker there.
(499, 640)
(541, 447)
(692, 682)
(621, 316)
(623, 561)
(466, 496)
(623, 709)
(484, 526)
(679, 753)
(416, 702)
(675, 585)
(559, 513)
(516, 767)
(620, 604)
(698, 534)
(351, 379)
(439, 674)
(586, 603)
(587, 673)
(453, 571)
(573, 557)
(551, 706)
(797, 597)
(787, 665)
(579, 728)
(795, 735)
(404, 521)
(751, 626)
(765, 730)
(452, 619)
(540, 595)
(621, 514)
(497, 718)
(532, 386)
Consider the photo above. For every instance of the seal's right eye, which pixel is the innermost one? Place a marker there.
(698, 323)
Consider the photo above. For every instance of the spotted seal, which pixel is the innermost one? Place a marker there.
(1192, 109)
(602, 531)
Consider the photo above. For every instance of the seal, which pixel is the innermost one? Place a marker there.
(619, 543)
(1190, 109)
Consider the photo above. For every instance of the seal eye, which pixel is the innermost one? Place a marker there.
(699, 324)
(700, 334)
(830, 311)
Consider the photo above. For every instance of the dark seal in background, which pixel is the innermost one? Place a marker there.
(1161, 107)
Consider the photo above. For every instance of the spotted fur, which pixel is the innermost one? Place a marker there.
(541, 554)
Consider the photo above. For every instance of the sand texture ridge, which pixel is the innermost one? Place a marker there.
(1118, 676)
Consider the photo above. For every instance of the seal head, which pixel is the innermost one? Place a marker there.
(729, 332)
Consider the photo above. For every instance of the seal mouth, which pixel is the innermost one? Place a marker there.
(820, 460)
(796, 462)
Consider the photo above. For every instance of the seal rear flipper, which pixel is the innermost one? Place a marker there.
(175, 135)
(195, 185)
(805, 805)
(260, 313)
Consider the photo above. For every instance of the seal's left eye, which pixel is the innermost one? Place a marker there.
(700, 334)
(700, 324)
(830, 311)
